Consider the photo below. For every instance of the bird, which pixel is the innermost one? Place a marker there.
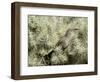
(53, 57)
(69, 35)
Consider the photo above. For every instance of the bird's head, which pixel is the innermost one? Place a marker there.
(72, 32)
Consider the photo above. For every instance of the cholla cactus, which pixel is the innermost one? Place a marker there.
(55, 40)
